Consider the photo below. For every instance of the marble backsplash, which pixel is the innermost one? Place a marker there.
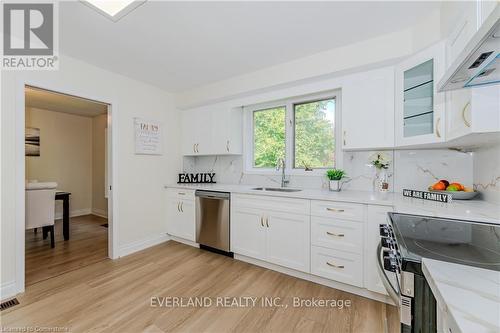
(414, 169)
(487, 173)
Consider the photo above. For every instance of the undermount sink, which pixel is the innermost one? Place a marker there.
(276, 189)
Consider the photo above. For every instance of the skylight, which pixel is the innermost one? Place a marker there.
(114, 9)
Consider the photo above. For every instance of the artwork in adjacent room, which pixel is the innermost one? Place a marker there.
(147, 137)
(32, 142)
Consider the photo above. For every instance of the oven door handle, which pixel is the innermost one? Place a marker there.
(391, 290)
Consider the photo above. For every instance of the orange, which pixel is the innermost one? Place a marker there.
(439, 186)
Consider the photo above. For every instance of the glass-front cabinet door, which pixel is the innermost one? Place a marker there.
(419, 108)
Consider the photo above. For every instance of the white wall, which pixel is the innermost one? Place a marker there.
(358, 56)
(65, 156)
(138, 180)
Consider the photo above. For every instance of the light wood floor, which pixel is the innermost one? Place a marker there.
(115, 296)
(88, 244)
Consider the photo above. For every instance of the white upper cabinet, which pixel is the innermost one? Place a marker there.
(227, 131)
(472, 111)
(419, 108)
(212, 131)
(469, 17)
(368, 110)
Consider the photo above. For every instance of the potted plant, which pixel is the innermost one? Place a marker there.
(335, 176)
(381, 162)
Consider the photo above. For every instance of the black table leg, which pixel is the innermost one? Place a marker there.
(66, 217)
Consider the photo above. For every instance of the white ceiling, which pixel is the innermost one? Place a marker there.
(182, 45)
(48, 100)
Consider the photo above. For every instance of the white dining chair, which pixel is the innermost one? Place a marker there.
(40, 207)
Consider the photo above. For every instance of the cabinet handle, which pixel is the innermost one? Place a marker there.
(227, 146)
(437, 127)
(344, 137)
(261, 221)
(182, 207)
(194, 147)
(197, 150)
(333, 234)
(333, 265)
(267, 222)
(178, 206)
(336, 210)
(181, 193)
(466, 122)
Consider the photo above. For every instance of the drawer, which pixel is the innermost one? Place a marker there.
(341, 210)
(337, 234)
(337, 265)
(270, 203)
(180, 193)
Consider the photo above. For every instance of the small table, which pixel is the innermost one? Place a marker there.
(64, 196)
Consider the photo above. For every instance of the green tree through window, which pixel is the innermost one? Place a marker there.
(314, 134)
(269, 136)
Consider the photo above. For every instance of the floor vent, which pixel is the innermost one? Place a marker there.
(8, 304)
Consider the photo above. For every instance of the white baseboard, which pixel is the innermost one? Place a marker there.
(74, 213)
(8, 290)
(184, 241)
(100, 212)
(143, 244)
(317, 279)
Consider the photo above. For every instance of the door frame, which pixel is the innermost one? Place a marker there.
(112, 141)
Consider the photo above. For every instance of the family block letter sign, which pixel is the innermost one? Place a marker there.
(147, 137)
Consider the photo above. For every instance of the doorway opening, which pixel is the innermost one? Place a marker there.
(68, 220)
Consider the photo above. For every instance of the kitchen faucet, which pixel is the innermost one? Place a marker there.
(280, 163)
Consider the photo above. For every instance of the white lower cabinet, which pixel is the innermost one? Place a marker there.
(268, 234)
(337, 265)
(377, 215)
(288, 240)
(248, 233)
(181, 214)
(332, 240)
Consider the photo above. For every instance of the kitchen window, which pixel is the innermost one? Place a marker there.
(300, 130)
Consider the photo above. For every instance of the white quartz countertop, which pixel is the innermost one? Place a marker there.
(469, 296)
(473, 210)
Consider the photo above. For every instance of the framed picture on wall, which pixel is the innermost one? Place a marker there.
(32, 142)
(147, 137)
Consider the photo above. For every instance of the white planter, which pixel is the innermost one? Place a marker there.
(335, 185)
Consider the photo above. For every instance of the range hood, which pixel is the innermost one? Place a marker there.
(479, 62)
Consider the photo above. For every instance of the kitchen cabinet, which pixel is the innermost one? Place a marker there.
(378, 216)
(227, 131)
(263, 228)
(196, 132)
(368, 110)
(214, 130)
(419, 108)
(469, 18)
(181, 214)
(248, 233)
(288, 240)
(473, 111)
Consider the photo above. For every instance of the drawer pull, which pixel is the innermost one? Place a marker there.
(267, 222)
(333, 265)
(333, 234)
(181, 193)
(336, 210)
(261, 221)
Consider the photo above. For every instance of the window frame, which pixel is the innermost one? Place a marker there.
(289, 103)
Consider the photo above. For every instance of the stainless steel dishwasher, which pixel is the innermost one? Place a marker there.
(212, 220)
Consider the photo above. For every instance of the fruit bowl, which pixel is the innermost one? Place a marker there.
(458, 195)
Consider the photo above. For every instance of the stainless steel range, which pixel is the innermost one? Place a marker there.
(406, 239)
